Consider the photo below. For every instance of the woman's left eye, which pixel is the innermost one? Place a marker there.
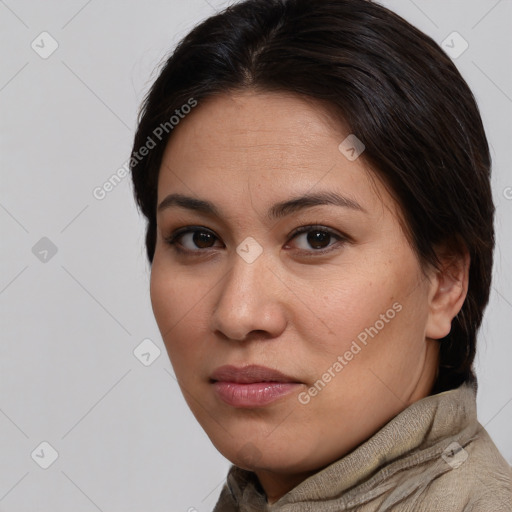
(317, 238)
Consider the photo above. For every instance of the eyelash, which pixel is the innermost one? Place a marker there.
(173, 238)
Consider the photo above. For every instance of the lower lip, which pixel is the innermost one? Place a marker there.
(256, 394)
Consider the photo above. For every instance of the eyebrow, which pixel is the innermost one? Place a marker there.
(276, 211)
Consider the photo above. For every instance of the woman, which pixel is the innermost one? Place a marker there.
(315, 177)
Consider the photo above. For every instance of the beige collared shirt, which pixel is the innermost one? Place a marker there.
(432, 457)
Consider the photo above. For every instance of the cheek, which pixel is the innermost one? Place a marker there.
(176, 292)
(178, 307)
(347, 304)
(376, 305)
(164, 294)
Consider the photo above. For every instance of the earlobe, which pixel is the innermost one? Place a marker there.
(449, 287)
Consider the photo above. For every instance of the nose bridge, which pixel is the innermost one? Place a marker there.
(245, 282)
(248, 299)
(243, 277)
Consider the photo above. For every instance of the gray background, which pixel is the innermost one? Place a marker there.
(125, 438)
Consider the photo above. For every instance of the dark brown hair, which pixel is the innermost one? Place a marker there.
(396, 90)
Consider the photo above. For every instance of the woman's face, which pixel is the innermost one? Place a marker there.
(341, 308)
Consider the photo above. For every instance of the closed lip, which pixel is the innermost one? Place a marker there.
(249, 374)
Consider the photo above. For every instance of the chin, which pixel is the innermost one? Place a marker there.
(280, 456)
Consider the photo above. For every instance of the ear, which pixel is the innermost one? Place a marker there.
(448, 290)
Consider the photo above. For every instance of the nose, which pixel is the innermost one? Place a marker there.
(251, 302)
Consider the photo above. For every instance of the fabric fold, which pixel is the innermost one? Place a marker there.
(433, 456)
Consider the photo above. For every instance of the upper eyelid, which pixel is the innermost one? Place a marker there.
(317, 227)
(178, 233)
(300, 229)
(185, 230)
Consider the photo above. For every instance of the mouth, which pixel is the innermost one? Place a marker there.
(249, 374)
(251, 386)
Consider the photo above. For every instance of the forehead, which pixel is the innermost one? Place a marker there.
(268, 144)
(257, 123)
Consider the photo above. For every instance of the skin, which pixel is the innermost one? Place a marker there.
(292, 309)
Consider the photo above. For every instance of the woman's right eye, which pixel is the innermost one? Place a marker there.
(191, 239)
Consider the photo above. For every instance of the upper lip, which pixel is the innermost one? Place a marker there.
(249, 374)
